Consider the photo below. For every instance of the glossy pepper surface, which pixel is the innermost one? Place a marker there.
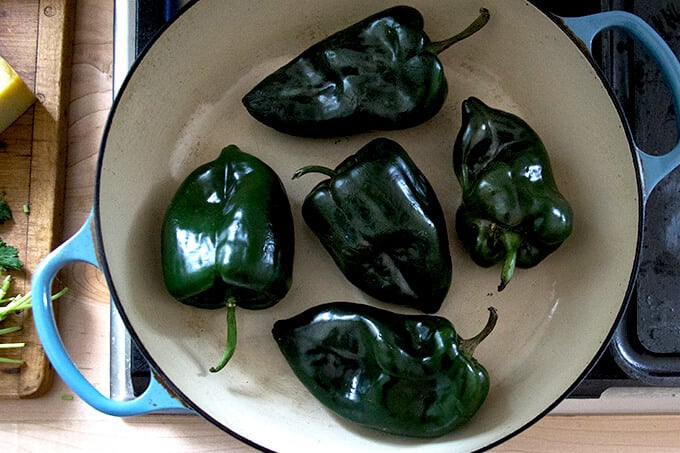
(512, 211)
(228, 239)
(381, 73)
(409, 375)
(381, 222)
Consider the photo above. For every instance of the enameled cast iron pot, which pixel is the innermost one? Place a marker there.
(181, 104)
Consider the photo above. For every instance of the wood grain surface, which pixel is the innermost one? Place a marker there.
(35, 38)
(60, 422)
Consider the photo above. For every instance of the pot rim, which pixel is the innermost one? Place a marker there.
(101, 252)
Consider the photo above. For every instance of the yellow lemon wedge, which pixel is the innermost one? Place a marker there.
(15, 96)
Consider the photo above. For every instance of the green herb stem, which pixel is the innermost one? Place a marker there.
(7, 330)
(19, 302)
(5, 287)
(12, 361)
(12, 345)
(14, 304)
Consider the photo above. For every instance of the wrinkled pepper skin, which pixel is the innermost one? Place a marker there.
(381, 222)
(512, 211)
(227, 236)
(409, 375)
(381, 73)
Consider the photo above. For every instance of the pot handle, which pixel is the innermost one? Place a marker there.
(80, 247)
(654, 167)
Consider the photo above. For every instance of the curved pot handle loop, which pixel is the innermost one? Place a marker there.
(80, 247)
(654, 167)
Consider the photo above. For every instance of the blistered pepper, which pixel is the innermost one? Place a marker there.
(381, 73)
(410, 375)
(381, 222)
(512, 211)
(228, 240)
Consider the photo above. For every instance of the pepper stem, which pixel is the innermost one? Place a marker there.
(314, 169)
(231, 335)
(511, 241)
(467, 346)
(438, 47)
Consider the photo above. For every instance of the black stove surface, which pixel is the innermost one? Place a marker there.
(652, 320)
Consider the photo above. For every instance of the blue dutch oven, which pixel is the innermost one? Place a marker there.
(180, 104)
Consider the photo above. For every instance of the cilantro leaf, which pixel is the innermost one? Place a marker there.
(9, 257)
(5, 213)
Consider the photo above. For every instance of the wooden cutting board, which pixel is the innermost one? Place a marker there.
(36, 39)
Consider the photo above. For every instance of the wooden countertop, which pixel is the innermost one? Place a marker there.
(60, 422)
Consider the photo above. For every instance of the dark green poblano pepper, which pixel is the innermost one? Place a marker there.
(381, 222)
(410, 375)
(227, 238)
(512, 211)
(381, 73)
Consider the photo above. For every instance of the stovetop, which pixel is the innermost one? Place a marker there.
(641, 367)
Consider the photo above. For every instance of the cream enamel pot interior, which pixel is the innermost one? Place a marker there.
(181, 104)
